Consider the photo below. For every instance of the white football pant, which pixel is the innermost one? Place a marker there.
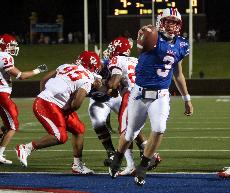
(139, 108)
(99, 111)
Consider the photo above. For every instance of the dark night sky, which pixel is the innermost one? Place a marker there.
(15, 14)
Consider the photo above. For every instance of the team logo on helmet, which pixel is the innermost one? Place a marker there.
(89, 60)
(119, 46)
(9, 44)
(169, 22)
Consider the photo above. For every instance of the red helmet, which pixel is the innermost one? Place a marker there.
(89, 60)
(9, 44)
(119, 46)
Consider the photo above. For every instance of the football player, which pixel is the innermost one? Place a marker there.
(62, 93)
(122, 68)
(150, 94)
(100, 106)
(8, 109)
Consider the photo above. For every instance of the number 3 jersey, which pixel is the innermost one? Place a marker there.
(6, 63)
(68, 80)
(125, 66)
(155, 68)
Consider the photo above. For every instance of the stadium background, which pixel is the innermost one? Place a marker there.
(197, 145)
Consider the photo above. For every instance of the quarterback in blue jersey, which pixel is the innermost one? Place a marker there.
(150, 95)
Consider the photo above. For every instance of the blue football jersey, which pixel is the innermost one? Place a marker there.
(155, 67)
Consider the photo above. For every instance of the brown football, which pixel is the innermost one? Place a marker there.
(147, 38)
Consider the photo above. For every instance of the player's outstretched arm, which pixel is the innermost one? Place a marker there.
(27, 74)
(180, 82)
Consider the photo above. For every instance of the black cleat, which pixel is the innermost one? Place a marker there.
(115, 166)
(139, 181)
(140, 175)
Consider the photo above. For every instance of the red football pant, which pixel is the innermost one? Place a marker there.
(55, 121)
(8, 111)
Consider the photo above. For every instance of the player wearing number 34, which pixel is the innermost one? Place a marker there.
(62, 93)
(150, 94)
(8, 109)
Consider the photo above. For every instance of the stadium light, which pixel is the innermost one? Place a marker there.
(86, 25)
(100, 28)
(153, 13)
(190, 38)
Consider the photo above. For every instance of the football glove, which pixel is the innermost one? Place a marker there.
(42, 68)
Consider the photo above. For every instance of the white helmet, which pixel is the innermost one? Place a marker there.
(169, 22)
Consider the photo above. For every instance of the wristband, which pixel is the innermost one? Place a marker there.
(186, 97)
(19, 75)
(36, 71)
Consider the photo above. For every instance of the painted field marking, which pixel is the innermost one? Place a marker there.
(170, 150)
(29, 138)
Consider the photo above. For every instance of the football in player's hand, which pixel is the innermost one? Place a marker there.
(147, 38)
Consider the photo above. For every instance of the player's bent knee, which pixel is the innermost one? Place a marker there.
(63, 139)
(81, 129)
(159, 129)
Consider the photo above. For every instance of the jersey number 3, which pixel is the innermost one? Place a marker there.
(168, 62)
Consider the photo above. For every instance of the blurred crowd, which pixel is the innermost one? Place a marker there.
(78, 37)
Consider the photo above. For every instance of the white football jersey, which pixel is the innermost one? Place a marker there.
(124, 66)
(6, 63)
(68, 80)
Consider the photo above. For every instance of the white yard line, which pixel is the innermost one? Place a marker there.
(29, 138)
(171, 128)
(172, 150)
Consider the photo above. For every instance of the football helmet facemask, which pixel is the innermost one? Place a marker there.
(9, 44)
(169, 22)
(89, 60)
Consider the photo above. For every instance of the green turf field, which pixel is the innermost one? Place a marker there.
(192, 144)
(211, 58)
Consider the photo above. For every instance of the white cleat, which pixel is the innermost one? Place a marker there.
(22, 154)
(4, 160)
(80, 168)
(154, 162)
(225, 173)
(129, 170)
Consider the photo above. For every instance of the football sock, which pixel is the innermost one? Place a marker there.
(119, 155)
(2, 149)
(144, 161)
(129, 157)
(105, 138)
(76, 160)
(141, 147)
